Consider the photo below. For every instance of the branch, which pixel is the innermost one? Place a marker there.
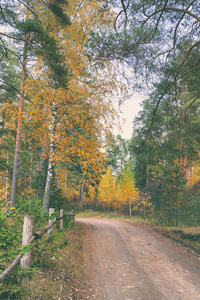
(117, 19)
(14, 88)
(163, 9)
(188, 52)
(160, 98)
(172, 9)
(186, 109)
(28, 8)
(185, 11)
(125, 13)
(12, 37)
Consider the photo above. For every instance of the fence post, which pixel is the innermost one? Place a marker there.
(25, 261)
(72, 214)
(51, 211)
(61, 220)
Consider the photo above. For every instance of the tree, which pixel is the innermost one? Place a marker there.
(107, 189)
(117, 155)
(31, 32)
(146, 36)
(128, 188)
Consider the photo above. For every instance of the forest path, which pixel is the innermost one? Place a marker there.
(125, 262)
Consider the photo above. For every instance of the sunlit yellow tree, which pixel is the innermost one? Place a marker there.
(107, 189)
(128, 188)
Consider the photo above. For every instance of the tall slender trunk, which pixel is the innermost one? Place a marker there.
(187, 170)
(81, 190)
(58, 177)
(31, 170)
(42, 156)
(47, 192)
(1, 134)
(41, 171)
(7, 162)
(147, 181)
(19, 130)
(65, 183)
(115, 176)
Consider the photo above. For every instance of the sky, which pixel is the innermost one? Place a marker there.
(129, 109)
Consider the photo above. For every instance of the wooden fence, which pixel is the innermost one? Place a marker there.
(28, 237)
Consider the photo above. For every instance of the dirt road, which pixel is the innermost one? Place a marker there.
(126, 262)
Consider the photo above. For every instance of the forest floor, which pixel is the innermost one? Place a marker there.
(126, 261)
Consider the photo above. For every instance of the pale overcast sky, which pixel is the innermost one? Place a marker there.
(129, 109)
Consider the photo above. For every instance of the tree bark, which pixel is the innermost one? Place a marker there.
(47, 192)
(61, 220)
(130, 208)
(27, 235)
(65, 183)
(42, 156)
(81, 191)
(51, 211)
(19, 130)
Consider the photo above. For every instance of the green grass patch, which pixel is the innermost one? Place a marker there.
(89, 214)
(58, 276)
(114, 216)
(188, 236)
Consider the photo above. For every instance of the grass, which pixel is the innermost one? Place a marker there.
(89, 214)
(113, 216)
(187, 236)
(59, 277)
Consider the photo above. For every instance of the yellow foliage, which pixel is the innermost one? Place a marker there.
(107, 189)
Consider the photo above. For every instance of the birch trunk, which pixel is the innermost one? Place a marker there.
(47, 192)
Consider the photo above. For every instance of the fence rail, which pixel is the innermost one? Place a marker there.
(35, 236)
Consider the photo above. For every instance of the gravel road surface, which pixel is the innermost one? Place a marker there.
(126, 262)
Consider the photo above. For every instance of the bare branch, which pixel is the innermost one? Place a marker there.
(12, 37)
(28, 7)
(183, 10)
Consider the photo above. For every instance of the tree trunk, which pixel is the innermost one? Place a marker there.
(47, 192)
(6, 196)
(65, 183)
(1, 134)
(27, 235)
(19, 130)
(41, 171)
(147, 182)
(58, 177)
(51, 211)
(42, 157)
(61, 220)
(81, 191)
(130, 208)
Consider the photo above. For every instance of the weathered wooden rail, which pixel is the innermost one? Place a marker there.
(28, 238)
